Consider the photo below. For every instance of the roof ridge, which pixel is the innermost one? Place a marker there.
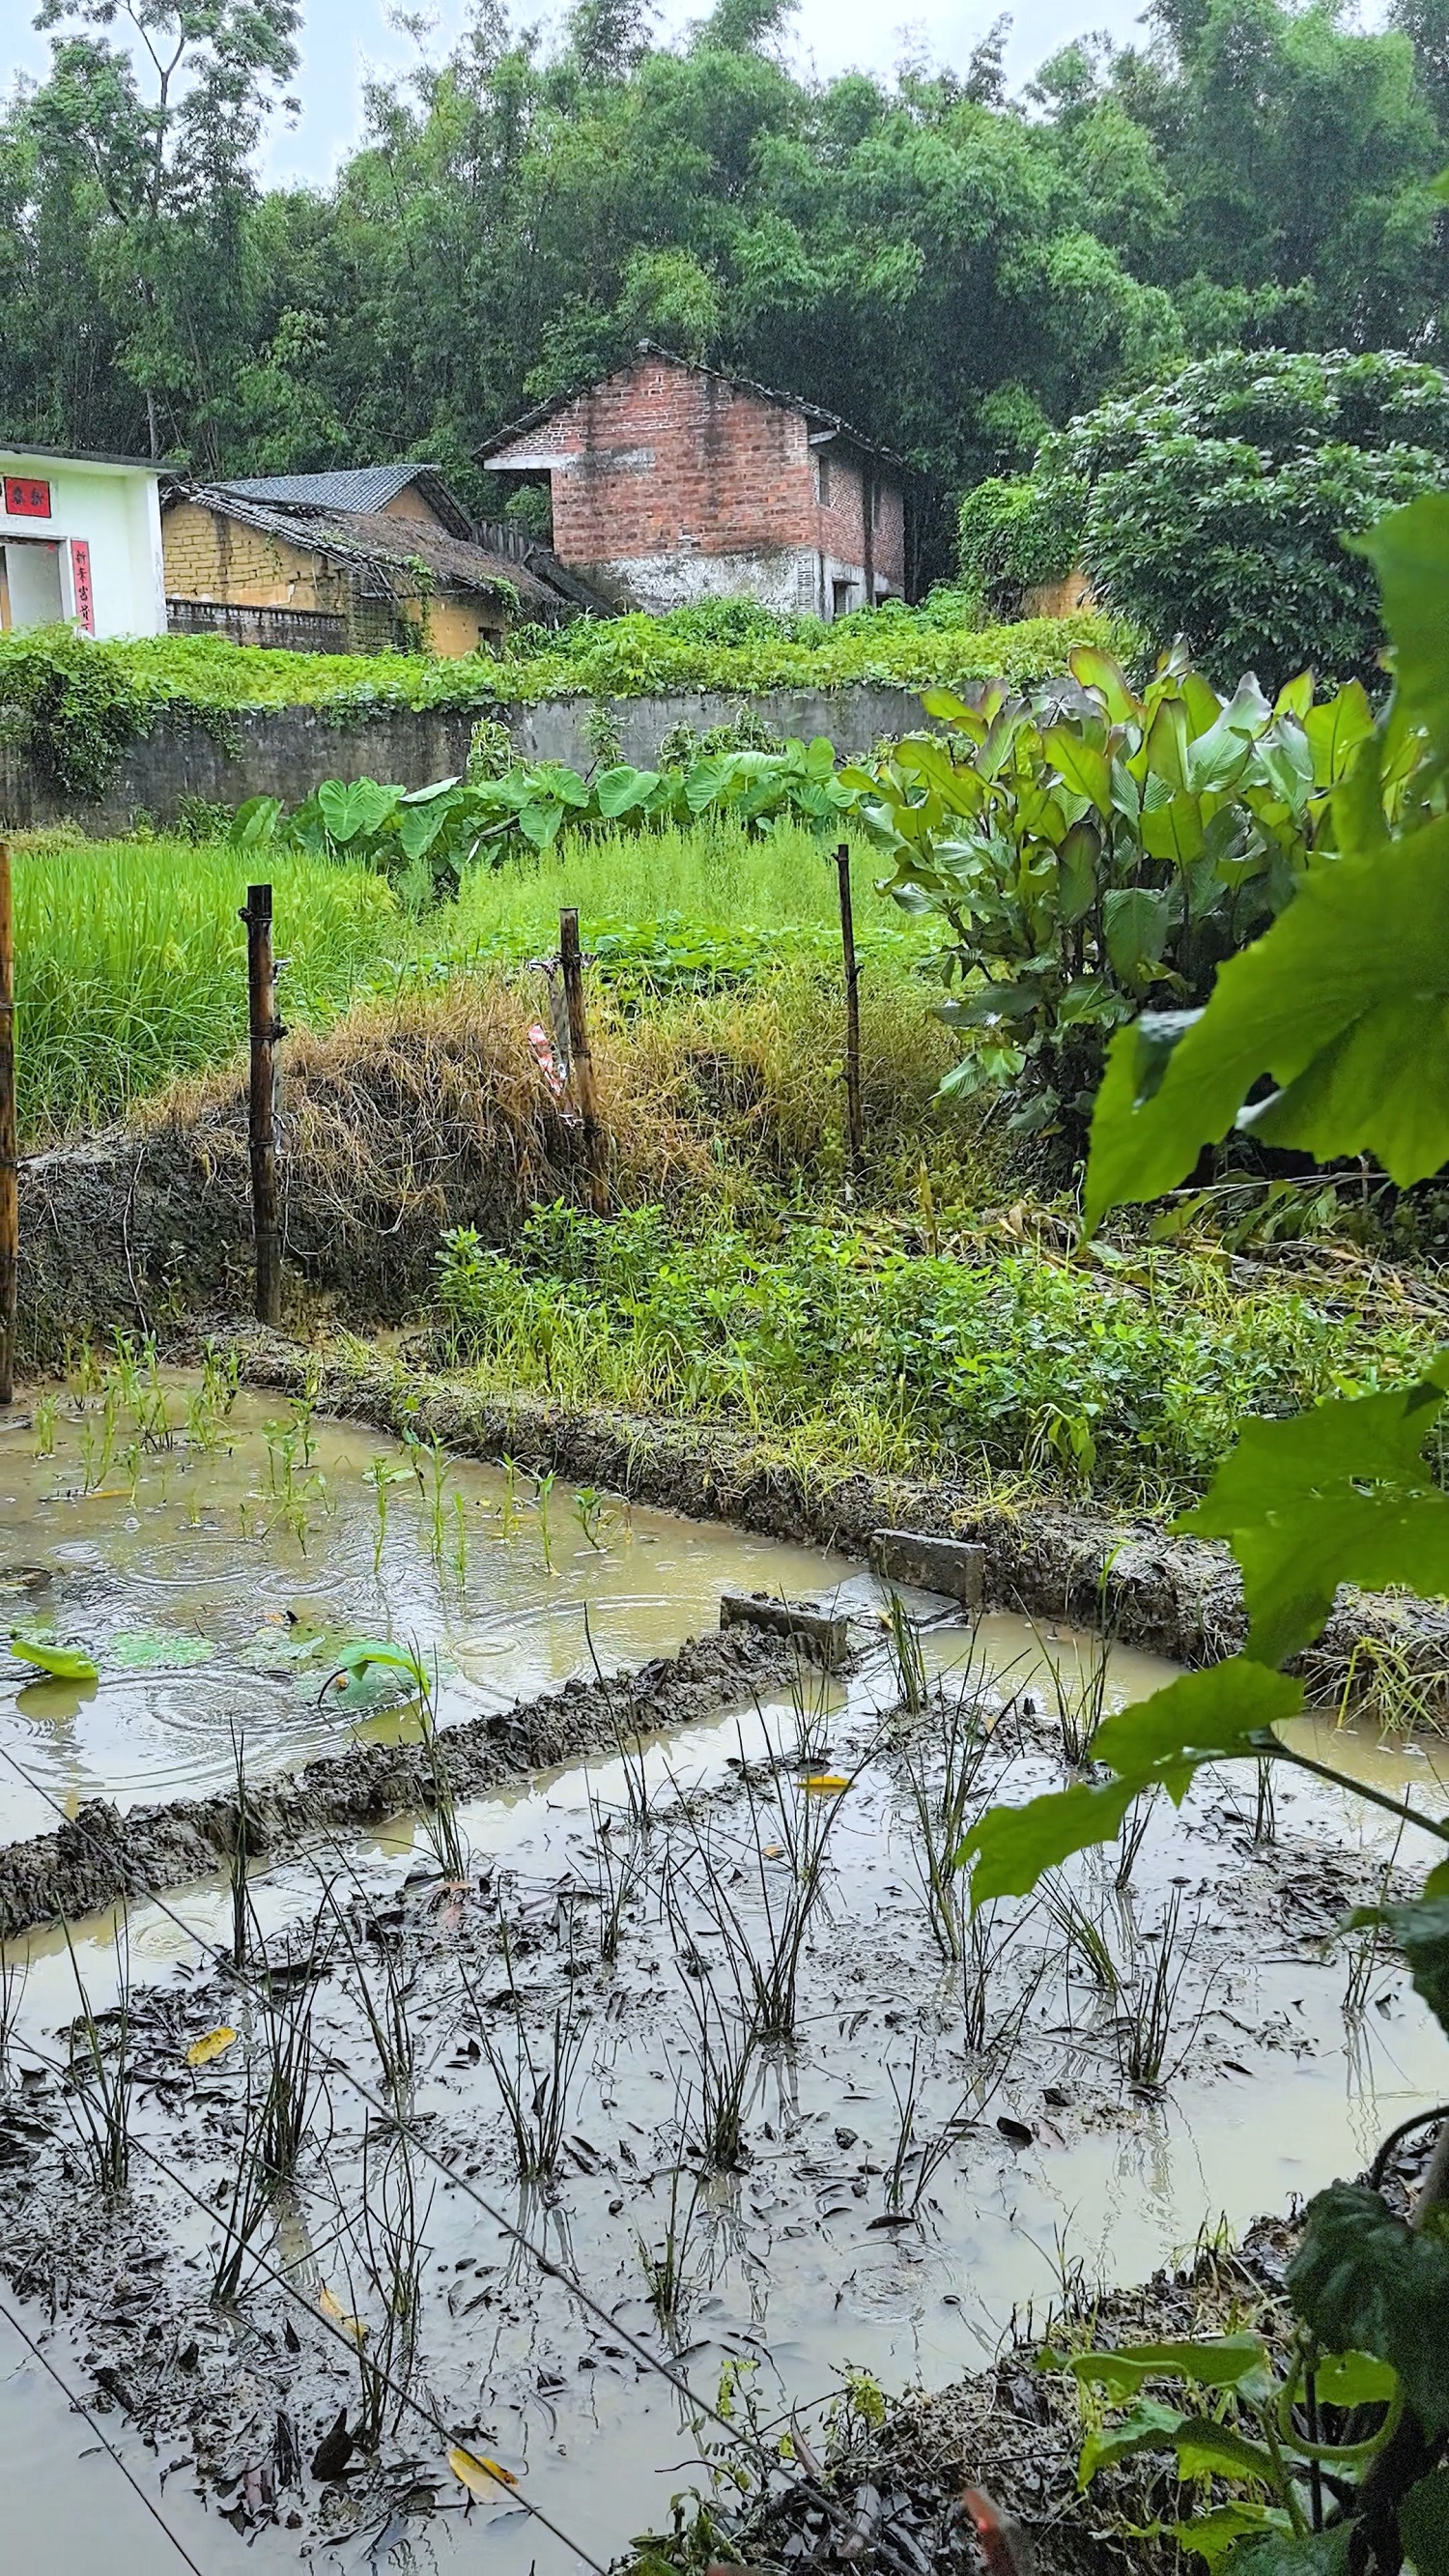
(556, 403)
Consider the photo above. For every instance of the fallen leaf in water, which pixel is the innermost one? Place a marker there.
(333, 2308)
(774, 1851)
(824, 1784)
(67, 1663)
(148, 1649)
(479, 2476)
(214, 2043)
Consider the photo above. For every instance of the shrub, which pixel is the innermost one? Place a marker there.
(1217, 504)
(1013, 536)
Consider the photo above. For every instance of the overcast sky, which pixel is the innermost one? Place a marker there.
(344, 39)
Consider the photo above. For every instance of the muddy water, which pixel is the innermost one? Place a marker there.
(211, 1585)
(1272, 2087)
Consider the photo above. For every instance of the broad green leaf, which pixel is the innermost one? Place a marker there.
(1335, 731)
(1174, 830)
(1218, 2361)
(1013, 1845)
(420, 825)
(160, 1650)
(1424, 2524)
(1093, 668)
(1203, 1714)
(1409, 551)
(1284, 2553)
(1363, 2281)
(1323, 1003)
(944, 705)
(1149, 2427)
(1077, 874)
(1211, 2535)
(1295, 697)
(1339, 1494)
(618, 791)
(1205, 2449)
(67, 1663)
(1135, 920)
(361, 806)
(1354, 2379)
(1082, 766)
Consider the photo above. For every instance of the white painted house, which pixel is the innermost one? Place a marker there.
(80, 542)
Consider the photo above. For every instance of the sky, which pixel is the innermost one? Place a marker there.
(344, 40)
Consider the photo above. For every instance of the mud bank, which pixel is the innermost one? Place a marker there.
(101, 1855)
(1175, 1597)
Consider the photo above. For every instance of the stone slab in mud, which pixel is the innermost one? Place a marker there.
(101, 1854)
(1177, 1597)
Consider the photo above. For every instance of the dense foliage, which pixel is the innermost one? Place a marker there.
(1216, 505)
(1012, 534)
(1342, 1003)
(1096, 846)
(85, 702)
(953, 269)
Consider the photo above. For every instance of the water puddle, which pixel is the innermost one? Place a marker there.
(209, 1559)
(946, 2140)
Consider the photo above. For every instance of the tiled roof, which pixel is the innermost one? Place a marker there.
(352, 487)
(385, 550)
(556, 403)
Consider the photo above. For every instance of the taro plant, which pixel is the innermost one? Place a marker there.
(1342, 1006)
(1091, 847)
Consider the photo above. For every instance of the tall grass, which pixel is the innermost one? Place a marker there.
(131, 964)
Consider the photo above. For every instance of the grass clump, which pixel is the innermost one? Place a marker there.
(131, 964)
(887, 1358)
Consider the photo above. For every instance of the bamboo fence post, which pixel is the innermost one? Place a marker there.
(854, 1111)
(9, 1140)
(266, 1029)
(581, 1062)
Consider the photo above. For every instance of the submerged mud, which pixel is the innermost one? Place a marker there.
(1176, 1597)
(101, 1855)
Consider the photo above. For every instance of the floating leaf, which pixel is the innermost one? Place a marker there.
(479, 2476)
(153, 1649)
(213, 2044)
(66, 1663)
(826, 1784)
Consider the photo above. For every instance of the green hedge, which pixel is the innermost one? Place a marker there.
(87, 701)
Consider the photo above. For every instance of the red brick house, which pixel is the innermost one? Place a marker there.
(671, 482)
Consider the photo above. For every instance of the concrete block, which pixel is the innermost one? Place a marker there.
(824, 1635)
(955, 1566)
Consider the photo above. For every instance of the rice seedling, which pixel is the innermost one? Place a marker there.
(388, 2237)
(1134, 1832)
(385, 2003)
(14, 1974)
(786, 1843)
(620, 1875)
(42, 1423)
(460, 1540)
(100, 2072)
(915, 2159)
(536, 2089)
(508, 1516)
(811, 1699)
(382, 1474)
(440, 1815)
(664, 2261)
(1265, 1808)
(724, 2039)
(946, 1796)
(246, 2203)
(638, 1797)
(590, 1511)
(1149, 1996)
(1083, 1934)
(238, 1855)
(544, 1488)
(293, 2079)
(913, 1682)
(1078, 1679)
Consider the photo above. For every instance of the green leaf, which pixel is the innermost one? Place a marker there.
(1326, 1003)
(1335, 731)
(1013, 1845)
(1077, 874)
(1149, 2427)
(362, 806)
(160, 1650)
(1218, 2361)
(1363, 2281)
(618, 791)
(1337, 1495)
(944, 705)
(1206, 2450)
(1082, 766)
(67, 1663)
(1092, 668)
(1422, 1933)
(1200, 1715)
(1174, 830)
(1424, 2524)
(1354, 2379)
(1409, 550)
(1314, 2553)
(1135, 920)
(1212, 2534)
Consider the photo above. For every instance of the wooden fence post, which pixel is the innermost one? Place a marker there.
(581, 1062)
(9, 1139)
(266, 1029)
(854, 1111)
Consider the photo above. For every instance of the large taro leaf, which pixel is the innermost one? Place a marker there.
(1410, 553)
(1344, 1002)
(1363, 2280)
(1158, 1743)
(1283, 2553)
(1340, 1494)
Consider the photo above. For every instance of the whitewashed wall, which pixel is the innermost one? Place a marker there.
(114, 511)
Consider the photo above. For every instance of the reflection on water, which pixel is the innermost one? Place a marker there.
(208, 1588)
(1278, 2092)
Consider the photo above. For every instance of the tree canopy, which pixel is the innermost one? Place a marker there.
(955, 270)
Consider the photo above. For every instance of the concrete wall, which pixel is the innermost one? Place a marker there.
(287, 751)
(114, 512)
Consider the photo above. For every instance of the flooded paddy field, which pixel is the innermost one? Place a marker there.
(619, 2125)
